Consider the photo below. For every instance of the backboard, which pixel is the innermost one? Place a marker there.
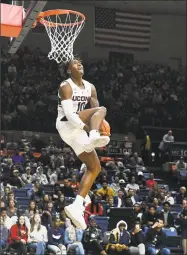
(32, 10)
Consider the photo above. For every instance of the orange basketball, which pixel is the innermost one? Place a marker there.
(104, 128)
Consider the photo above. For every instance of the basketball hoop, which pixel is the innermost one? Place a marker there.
(62, 27)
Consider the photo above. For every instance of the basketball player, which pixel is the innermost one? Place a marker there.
(73, 123)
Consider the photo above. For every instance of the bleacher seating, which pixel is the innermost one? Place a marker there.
(170, 231)
(23, 201)
(20, 193)
(102, 222)
(48, 189)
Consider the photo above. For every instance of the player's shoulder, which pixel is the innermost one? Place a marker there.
(65, 83)
(87, 83)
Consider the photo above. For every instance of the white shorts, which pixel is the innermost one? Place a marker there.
(76, 138)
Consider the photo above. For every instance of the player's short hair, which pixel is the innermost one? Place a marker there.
(68, 63)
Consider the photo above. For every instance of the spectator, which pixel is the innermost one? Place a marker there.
(120, 202)
(167, 216)
(156, 204)
(156, 239)
(110, 204)
(46, 219)
(54, 176)
(50, 207)
(132, 184)
(17, 158)
(182, 195)
(59, 204)
(141, 180)
(27, 177)
(62, 217)
(37, 236)
(131, 198)
(12, 70)
(40, 177)
(11, 197)
(6, 192)
(16, 180)
(6, 219)
(169, 198)
(36, 193)
(2, 204)
(119, 239)
(57, 191)
(93, 238)
(56, 238)
(67, 190)
(73, 238)
(150, 217)
(94, 208)
(32, 210)
(115, 185)
(136, 161)
(14, 220)
(105, 192)
(19, 236)
(154, 192)
(166, 141)
(3, 234)
(150, 182)
(138, 239)
(138, 212)
(74, 183)
(181, 165)
(11, 209)
(45, 201)
(181, 221)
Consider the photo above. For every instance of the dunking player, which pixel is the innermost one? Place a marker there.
(73, 123)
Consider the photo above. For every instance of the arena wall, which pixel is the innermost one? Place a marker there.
(168, 39)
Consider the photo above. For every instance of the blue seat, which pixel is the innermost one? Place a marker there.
(48, 188)
(159, 181)
(102, 222)
(176, 208)
(146, 175)
(145, 230)
(143, 193)
(170, 231)
(23, 201)
(27, 186)
(20, 193)
(175, 214)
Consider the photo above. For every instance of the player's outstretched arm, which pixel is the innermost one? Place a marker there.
(65, 93)
(94, 100)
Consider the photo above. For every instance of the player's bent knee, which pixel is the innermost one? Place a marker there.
(103, 109)
(95, 167)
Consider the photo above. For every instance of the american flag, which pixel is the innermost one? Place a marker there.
(122, 30)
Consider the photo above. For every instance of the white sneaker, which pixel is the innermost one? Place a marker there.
(97, 140)
(76, 214)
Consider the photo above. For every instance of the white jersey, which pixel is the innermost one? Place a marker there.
(80, 97)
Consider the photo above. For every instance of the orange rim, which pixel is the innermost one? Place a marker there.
(43, 21)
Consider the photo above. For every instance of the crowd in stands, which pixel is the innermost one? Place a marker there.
(34, 191)
(135, 93)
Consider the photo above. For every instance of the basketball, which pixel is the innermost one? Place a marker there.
(104, 128)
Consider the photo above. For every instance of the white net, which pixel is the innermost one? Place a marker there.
(62, 32)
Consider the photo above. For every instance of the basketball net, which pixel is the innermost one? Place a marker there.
(62, 35)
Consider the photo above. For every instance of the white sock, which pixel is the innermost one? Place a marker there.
(94, 132)
(79, 200)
